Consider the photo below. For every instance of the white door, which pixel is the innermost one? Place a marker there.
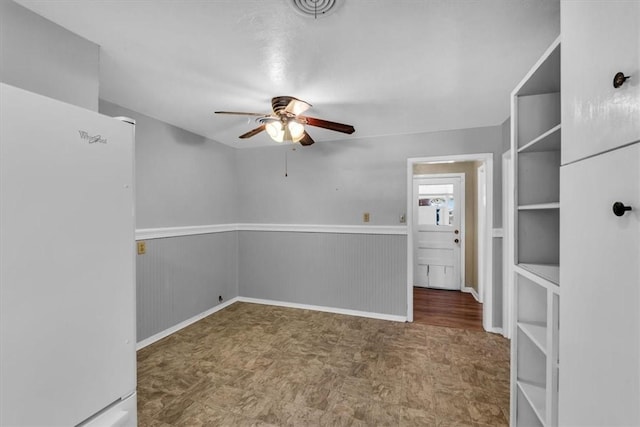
(438, 204)
(600, 299)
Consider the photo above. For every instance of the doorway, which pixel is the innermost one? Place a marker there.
(485, 247)
(438, 230)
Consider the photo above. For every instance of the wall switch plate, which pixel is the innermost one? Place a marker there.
(365, 217)
(142, 248)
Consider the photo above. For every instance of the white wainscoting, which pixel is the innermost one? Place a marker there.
(186, 268)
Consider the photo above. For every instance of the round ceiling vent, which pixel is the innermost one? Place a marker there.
(314, 8)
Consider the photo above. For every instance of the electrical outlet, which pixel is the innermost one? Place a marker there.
(365, 217)
(142, 248)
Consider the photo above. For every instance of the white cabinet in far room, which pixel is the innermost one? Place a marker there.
(600, 38)
(599, 381)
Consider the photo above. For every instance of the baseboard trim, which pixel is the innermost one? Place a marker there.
(160, 335)
(371, 315)
(495, 331)
(173, 329)
(471, 291)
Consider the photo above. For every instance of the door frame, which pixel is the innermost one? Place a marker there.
(485, 295)
(508, 277)
(462, 215)
(481, 223)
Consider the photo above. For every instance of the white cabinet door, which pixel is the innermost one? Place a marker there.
(599, 39)
(600, 305)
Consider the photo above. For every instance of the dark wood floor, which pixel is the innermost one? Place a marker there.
(454, 309)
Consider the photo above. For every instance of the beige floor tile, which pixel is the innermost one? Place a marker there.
(253, 364)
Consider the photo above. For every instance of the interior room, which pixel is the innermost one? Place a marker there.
(319, 212)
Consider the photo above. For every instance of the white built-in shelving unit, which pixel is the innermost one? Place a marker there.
(536, 144)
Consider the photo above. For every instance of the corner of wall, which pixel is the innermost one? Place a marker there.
(42, 57)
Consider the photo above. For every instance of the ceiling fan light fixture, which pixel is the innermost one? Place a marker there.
(286, 124)
(296, 129)
(275, 130)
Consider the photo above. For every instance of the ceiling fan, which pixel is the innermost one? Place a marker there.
(286, 122)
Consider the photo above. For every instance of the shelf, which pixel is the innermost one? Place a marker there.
(536, 147)
(548, 272)
(539, 206)
(536, 396)
(538, 177)
(544, 76)
(548, 141)
(537, 333)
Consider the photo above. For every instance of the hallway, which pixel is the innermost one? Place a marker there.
(446, 308)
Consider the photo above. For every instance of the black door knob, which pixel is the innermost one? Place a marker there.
(619, 79)
(619, 208)
(456, 241)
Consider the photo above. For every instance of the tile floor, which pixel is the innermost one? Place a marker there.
(253, 364)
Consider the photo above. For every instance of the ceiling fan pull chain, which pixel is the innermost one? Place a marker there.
(285, 164)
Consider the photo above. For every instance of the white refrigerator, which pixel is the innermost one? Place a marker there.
(67, 272)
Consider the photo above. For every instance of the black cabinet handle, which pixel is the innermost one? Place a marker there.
(456, 241)
(619, 208)
(619, 79)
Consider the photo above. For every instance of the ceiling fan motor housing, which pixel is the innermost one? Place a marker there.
(314, 8)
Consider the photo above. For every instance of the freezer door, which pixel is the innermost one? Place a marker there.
(122, 414)
(67, 290)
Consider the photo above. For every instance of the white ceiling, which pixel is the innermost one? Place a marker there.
(387, 67)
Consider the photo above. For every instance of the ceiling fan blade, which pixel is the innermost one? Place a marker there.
(240, 113)
(252, 132)
(338, 127)
(297, 106)
(306, 140)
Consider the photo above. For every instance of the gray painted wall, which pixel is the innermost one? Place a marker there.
(350, 271)
(181, 277)
(336, 182)
(505, 130)
(497, 284)
(182, 179)
(506, 135)
(42, 57)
